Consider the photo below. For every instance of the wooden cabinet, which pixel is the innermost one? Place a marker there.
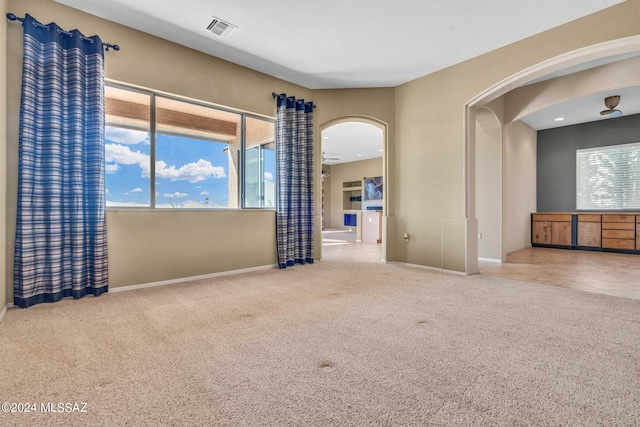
(551, 229)
(541, 232)
(615, 232)
(561, 233)
(619, 231)
(590, 230)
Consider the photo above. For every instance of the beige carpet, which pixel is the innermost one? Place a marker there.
(329, 344)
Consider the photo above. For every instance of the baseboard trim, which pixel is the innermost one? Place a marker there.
(192, 278)
(428, 267)
(491, 260)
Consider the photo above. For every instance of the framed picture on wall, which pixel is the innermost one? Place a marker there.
(373, 188)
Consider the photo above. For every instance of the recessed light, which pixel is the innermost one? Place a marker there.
(380, 149)
(359, 155)
(558, 119)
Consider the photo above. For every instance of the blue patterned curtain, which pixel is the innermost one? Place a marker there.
(61, 248)
(294, 153)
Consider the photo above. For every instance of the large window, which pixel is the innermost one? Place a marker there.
(608, 178)
(260, 164)
(128, 148)
(165, 152)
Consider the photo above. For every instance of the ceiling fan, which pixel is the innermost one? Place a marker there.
(611, 102)
(324, 159)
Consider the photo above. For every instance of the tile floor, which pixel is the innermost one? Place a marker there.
(341, 245)
(599, 272)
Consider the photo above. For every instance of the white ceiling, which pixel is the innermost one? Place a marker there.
(351, 44)
(339, 44)
(351, 142)
(584, 109)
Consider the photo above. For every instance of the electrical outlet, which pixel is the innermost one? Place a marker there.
(406, 237)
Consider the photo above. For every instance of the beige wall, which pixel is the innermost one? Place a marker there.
(346, 172)
(147, 246)
(151, 246)
(6, 295)
(489, 184)
(429, 147)
(519, 186)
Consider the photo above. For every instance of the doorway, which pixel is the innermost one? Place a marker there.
(353, 190)
(514, 195)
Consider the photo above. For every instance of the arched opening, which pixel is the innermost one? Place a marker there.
(519, 181)
(353, 189)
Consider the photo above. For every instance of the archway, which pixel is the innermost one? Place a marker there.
(353, 184)
(474, 106)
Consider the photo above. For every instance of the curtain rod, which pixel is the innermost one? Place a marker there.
(284, 95)
(107, 46)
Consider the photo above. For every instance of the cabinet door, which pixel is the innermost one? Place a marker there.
(589, 234)
(541, 232)
(561, 233)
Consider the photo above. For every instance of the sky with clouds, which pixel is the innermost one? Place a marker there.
(189, 172)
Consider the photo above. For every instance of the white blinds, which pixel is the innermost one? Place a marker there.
(608, 177)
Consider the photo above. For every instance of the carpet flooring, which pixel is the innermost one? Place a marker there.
(329, 344)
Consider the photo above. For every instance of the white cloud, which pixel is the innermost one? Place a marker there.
(204, 193)
(111, 168)
(122, 154)
(268, 176)
(136, 190)
(192, 172)
(176, 194)
(125, 136)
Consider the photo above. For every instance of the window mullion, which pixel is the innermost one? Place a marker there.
(152, 151)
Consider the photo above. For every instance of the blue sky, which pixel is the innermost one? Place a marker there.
(188, 171)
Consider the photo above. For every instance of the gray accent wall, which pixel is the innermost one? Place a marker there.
(556, 158)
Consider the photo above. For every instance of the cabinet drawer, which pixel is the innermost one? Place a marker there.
(618, 225)
(618, 234)
(618, 244)
(551, 217)
(618, 218)
(589, 218)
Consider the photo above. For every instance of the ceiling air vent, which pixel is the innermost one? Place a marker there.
(220, 28)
